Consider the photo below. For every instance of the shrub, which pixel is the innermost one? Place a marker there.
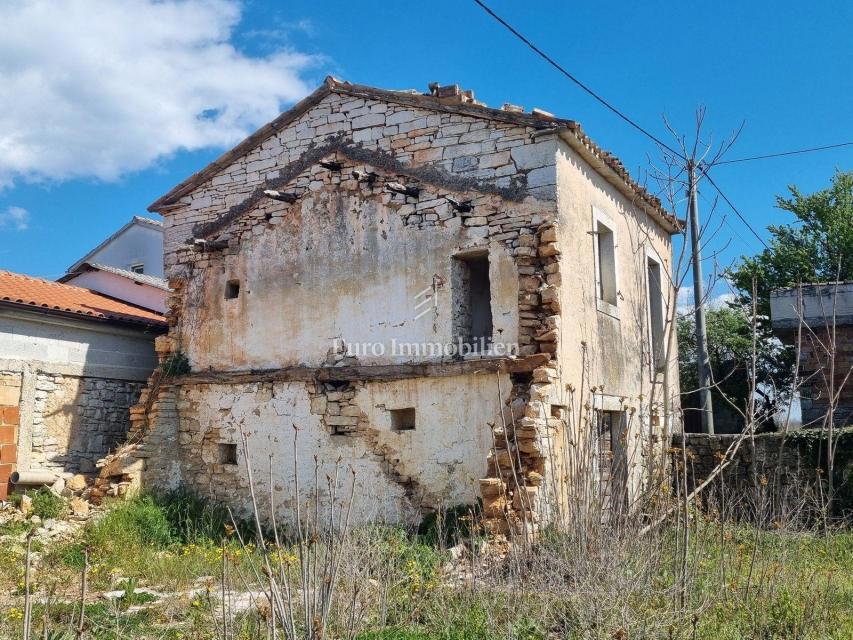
(448, 527)
(192, 518)
(46, 504)
(176, 364)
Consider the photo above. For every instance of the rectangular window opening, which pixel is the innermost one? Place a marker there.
(472, 301)
(227, 453)
(403, 419)
(606, 245)
(612, 459)
(232, 289)
(138, 268)
(656, 314)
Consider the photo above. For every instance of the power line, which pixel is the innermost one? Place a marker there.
(562, 70)
(733, 207)
(784, 153)
(624, 117)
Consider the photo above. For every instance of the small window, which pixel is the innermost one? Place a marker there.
(227, 453)
(232, 289)
(656, 315)
(606, 263)
(472, 301)
(403, 419)
(138, 268)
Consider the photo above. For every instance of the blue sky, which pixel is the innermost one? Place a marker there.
(100, 116)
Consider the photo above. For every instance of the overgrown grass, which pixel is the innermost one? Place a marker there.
(746, 582)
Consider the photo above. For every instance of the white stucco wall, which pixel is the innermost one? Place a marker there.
(116, 286)
(443, 457)
(346, 269)
(601, 345)
(140, 243)
(75, 346)
(818, 305)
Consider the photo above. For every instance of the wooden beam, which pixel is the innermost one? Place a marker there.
(378, 372)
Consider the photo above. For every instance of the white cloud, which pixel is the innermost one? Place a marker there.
(98, 88)
(16, 218)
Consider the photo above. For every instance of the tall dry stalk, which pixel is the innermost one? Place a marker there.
(299, 566)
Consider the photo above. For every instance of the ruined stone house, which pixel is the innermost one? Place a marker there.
(327, 269)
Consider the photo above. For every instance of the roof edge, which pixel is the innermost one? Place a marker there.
(602, 161)
(333, 85)
(611, 169)
(250, 142)
(153, 224)
(160, 325)
(146, 280)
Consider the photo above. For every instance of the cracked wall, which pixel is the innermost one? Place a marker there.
(398, 474)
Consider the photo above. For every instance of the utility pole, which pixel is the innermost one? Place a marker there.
(703, 362)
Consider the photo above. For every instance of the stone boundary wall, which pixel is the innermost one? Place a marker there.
(757, 462)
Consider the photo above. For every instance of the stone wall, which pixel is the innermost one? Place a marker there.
(396, 473)
(756, 465)
(819, 382)
(78, 420)
(76, 380)
(503, 154)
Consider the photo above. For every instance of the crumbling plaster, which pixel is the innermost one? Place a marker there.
(317, 276)
(612, 351)
(439, 462)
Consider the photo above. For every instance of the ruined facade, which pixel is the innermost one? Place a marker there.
(419, 287)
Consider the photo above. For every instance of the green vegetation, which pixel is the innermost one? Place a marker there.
(730, 347)
(744, 581)
(818, 247)
(176, 364)
(46, 504)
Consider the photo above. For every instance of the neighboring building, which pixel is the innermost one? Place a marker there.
(72, 362)
(322, 266)
(136, 247)
(137, 288)
(128, 265)
(822, 316)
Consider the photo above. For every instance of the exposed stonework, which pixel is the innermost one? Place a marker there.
(334, 403)
(791, 468)
(77, 420)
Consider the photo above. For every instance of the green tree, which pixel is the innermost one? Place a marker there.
(817, 247)
(730, 351)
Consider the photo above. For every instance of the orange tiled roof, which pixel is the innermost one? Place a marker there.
(44, 295)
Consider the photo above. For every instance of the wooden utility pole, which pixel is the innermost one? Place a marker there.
(703, 362)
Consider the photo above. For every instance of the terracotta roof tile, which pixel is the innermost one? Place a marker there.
(44, 295)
